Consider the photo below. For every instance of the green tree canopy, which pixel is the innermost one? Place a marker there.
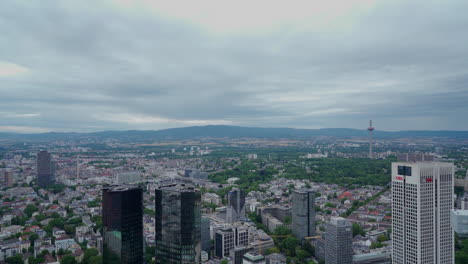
(15, 260)
(68, 259)
(30, 209)
(358, 230)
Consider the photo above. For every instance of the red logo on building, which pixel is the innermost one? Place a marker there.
(429, 180)
(399, 178)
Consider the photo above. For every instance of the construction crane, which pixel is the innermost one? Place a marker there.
(312, 237)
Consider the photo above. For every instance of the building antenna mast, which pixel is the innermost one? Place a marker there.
(370, 129)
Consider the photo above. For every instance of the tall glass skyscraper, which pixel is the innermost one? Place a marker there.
(122, 210)
(205, 234)
(422, 198)
(303, 213)
(178, 224)
(338, 241)
(236, 205)
(45, 169)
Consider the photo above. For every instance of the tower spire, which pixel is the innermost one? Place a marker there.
(370, 129)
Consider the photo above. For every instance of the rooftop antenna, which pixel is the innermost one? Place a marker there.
(370, 129)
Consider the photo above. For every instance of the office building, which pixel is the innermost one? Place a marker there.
(204, 256)
(319, 245)
(275, 258)
(252, 156)
(274, 216)
(224, 242)
(303, 213)
(236, 205)
(45, 169)
(178, 224)
(8, 178)
(122, 210)
(338, 241)
(253, 258)
(463, 200)
(228, 238)
(414, 157)
(376, 257)
(422, 198)
(261, 241)
(128, 177)
(459, 219)
(205, 234)
(195, 174)
(237, 254)
(241, 235)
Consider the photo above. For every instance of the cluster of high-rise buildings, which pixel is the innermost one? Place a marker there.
(422, 200)
(178, 224)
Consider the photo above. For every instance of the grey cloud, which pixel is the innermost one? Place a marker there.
(403, 64)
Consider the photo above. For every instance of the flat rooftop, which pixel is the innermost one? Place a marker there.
(177, 186)
(121, 187)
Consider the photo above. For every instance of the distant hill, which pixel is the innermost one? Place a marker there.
(230, 132)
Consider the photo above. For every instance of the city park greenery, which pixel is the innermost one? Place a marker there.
(250, 176)
(295, 250)
(339, 171)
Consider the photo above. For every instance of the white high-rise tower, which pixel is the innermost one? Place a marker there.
(422, 197)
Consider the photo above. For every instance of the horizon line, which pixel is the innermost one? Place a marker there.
(155, 130)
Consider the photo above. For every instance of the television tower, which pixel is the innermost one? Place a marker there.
(370, 129)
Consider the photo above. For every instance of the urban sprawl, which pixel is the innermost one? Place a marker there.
(224, 200)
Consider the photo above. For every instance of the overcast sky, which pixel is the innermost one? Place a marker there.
(118, 65)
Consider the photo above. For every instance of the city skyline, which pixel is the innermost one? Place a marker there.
(233, 132)
(153, 65)
(403, 198)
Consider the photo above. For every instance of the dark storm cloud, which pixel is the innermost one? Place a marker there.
(402, 63)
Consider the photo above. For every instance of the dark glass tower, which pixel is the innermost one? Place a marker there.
(122, 210)
(236, 205)
(45, 169)
(178, 224)
(303, 213)
(205, 234)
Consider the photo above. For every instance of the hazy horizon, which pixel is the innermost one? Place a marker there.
(151, 65)
(124, 130)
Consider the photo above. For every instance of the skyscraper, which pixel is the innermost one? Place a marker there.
(45, 169)
(178, 224)
(237, 254)
(303, 213)
(205, 234)
(236, 205)
(422, 198)
(122, 210)
(8, 178)
(338, 241)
